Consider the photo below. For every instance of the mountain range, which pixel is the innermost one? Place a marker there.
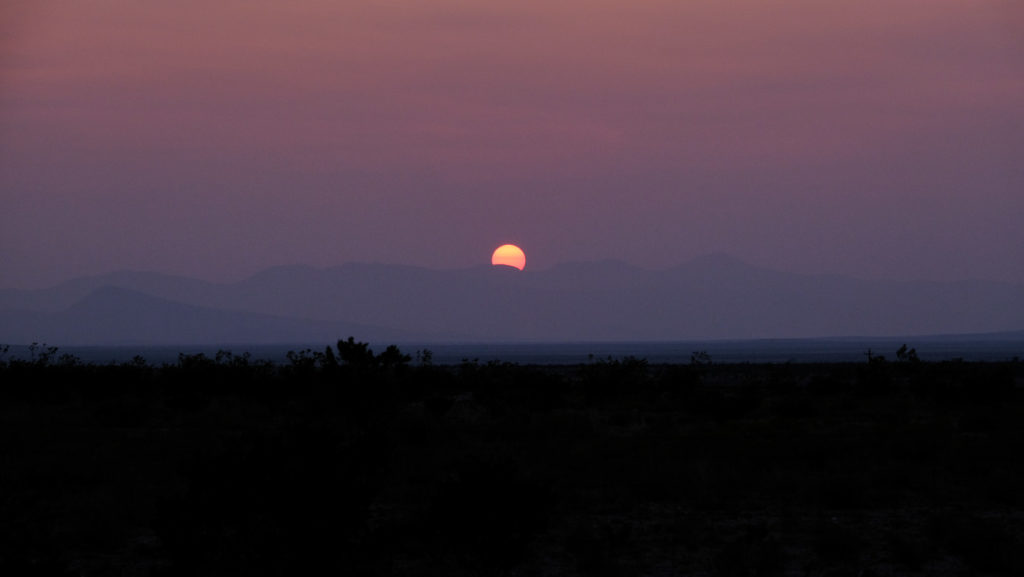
(712, 297)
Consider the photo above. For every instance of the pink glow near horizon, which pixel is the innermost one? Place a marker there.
(873, 139)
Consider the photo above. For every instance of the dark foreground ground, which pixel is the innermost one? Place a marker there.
(365, 465)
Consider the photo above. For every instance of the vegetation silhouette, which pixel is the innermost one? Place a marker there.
(368, 463)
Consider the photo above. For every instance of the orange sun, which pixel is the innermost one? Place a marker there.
(509, 255)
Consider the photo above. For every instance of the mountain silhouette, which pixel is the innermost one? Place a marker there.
(713, 297)
(117, 316)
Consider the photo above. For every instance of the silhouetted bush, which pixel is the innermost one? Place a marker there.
(613, 377)
(288, 501)
(837, 544)
(985, 543)
(757, 551)
(220, 465)
(487, 511)
(907, 550)
(677, 381)
(796, 406)
(876, 375)
(601, 548)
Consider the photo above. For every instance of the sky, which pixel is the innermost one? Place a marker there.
(876, 139)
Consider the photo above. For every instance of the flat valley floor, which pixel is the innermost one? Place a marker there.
(224, 466)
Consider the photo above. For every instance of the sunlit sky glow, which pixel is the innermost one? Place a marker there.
(873, 138)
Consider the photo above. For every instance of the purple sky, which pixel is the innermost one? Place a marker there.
(214, 139)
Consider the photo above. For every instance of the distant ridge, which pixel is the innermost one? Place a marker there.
(112, 316)
(712, 297)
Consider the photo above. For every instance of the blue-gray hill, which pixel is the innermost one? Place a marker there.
(112, 316)
(714, 297)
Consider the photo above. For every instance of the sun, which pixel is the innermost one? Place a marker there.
(509, 255)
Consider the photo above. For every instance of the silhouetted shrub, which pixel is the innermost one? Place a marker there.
(289, 501)
(906, 550)
(720, 404)
(234, 466)
(613, 377)
(796, 406)
(700, 358)
(757, 551)
(907, 355)
(836, 544)
(875, 376)
(486, 510)
(676, 381)
(984, 543)
(599, 548)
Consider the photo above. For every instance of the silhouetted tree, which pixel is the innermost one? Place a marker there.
(907, 355)
(41, 354)
(330, 361)
(356, 355)
(875, 376)
(700, 358)
(392, 358)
